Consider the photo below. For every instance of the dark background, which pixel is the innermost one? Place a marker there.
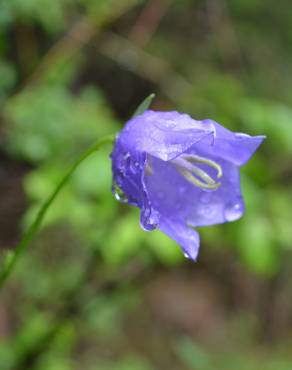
(94, 291)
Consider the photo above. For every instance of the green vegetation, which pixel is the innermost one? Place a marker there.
(94, 291)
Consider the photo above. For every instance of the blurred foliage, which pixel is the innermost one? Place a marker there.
(198, 358)
(62, 86)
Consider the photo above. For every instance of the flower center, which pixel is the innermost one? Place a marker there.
(186, 166)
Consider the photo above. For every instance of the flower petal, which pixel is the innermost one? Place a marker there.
(128, 183)
(165, 135)
(183, 202)
(231, 146)
(128, 169)
(187, 238)
(181, 173)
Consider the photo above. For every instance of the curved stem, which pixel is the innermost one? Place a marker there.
(30, 233)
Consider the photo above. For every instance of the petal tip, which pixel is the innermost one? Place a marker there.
(234, 211)
(191, 256)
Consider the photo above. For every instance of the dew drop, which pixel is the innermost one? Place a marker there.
(187, 255)
(233, 211)
(149, 219)
(126, 155)
(118, 193)
(134, 166)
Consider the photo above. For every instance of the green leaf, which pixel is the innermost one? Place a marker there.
(125, 241)
(144, 105)
(164, 249)
(191, 354)
(257, 244)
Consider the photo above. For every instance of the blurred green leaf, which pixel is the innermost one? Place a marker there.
(257, 244)
(164, 249)
(273, 119)
(144, 105)
(48, 13)
(125, 240)
(8, 77)
(192, 354)
(48, 122)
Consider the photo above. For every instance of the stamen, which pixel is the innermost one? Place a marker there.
(209, 162)
(188, 176)
(196, 175)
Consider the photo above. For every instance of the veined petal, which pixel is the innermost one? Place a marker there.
(187, 238)
(165, 135)
(174, 197)
(128, 169)
(181, 173)
(234, 147)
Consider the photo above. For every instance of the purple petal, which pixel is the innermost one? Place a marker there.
(231, 146)
(128, 183)
(128, 169)
(164, 135)
(181, 173)
(176, 198)
(187, 238)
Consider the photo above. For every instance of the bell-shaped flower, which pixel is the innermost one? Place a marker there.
(181, 173)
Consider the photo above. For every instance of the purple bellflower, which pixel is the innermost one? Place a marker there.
(181, 173)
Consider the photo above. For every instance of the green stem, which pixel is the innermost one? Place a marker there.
(30, 233)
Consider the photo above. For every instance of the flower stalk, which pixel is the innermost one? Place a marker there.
(35, 226)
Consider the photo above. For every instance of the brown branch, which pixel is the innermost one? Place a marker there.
(82, 31)
(224, 32)
(148, 21)
(145, 65)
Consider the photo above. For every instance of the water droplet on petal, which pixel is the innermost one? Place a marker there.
(126, 155)
(149, 219)
(133, 166)
(118, 193)
(233, 211)
(187, 255)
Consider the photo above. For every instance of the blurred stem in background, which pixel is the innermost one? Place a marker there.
(148, 21)
(62, 51)
(80, 33)
(145, 65)
(23, 245)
